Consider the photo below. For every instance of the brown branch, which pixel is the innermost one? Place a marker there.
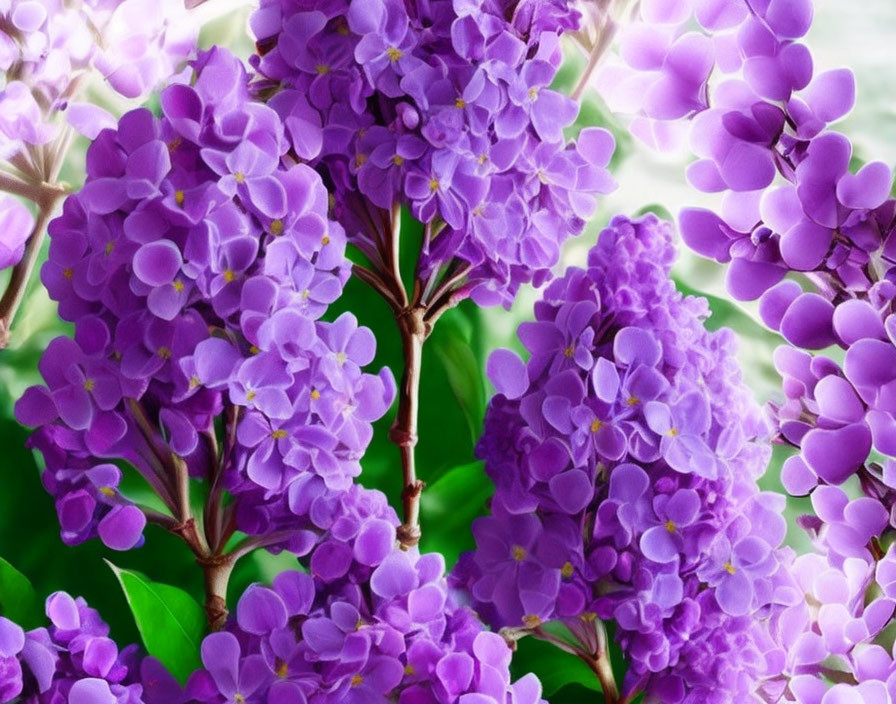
(217, 570)
(376, 282)
(403, 433)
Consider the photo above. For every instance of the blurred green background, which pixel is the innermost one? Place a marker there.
(454, 390)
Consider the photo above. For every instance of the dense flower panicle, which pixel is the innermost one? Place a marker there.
(444, 107)
(403, 641)
(793, 204)
(625, 455)
(73, 660)
(196, 269)
(46, 46)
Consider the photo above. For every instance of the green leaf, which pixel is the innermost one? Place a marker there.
(18, 600)
(555, 668)
(463, 371)
(170, 621)
(449, 506)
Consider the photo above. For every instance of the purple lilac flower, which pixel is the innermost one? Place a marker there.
(370, 623)
(16, 223)
(195, 268)
(133, 44)
(663, 531)
(73, 660)
(446, 109)
(793, 204)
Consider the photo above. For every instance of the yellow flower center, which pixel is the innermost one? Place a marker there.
(179, 197)
(89, 384)
(533, 93)
(276, 227)
(250, 395)
(729, 568)
(178, 285)
(518, 552)
(315, 394)
(109, 247)
(482, 158)
(596, 425)
(360, 160)
(672, 432)
(278, 434)
(434, 185)
(194, 382)
(567, 570)
(460, 103)
(569, 352)
(107, 491)
(393, 53)
(68, 272)
(239, 176)
(397, 160)
(633, 401)
(325, 240)
(164, 352)
(229, 275)
(588, 616)
(670, 526)
(282, 668)
(341, 357)
(356, 680)
(322, 69)
(531, 621)
(253, 349)
(174, 144)
(239, 698)
(409, 670)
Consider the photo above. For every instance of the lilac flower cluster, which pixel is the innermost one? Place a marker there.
(384, 631)
(836, 644)
(47, 46)
(195, 269)
(625, 455)
(444, 107)
(74, 661)
(793, 205)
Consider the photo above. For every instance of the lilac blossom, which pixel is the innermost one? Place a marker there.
(810, 236)
(663, 531)
(73, 660)
(384, 629)
(446, 109)
(195, 295)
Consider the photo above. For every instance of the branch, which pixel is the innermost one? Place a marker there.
(404, 430)
(376, 282)
(605, 35)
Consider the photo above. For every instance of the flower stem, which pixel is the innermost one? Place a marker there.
(601, 667)
(403, 433)
(217, 575)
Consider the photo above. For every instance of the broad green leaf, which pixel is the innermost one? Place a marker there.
(18, 600)
(449, 506)
(554, 667)
(170, 621)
